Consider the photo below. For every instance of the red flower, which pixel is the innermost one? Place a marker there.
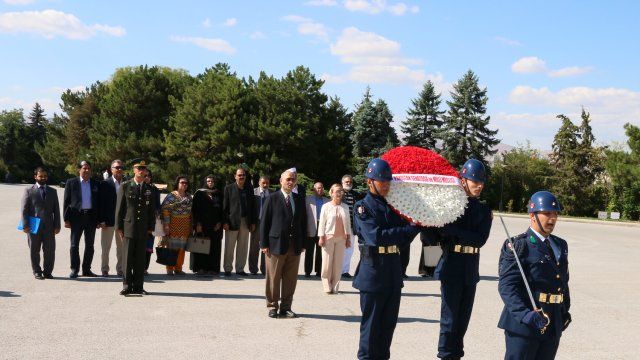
(416, 160)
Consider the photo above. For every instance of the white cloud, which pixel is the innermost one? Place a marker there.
(217, 45)
(529, 65)
(322, 3)
(375, 59)
(378, 6)
(206, 23)
(533, 65)
(230, 22)
(571, 71)
(53, 23)
(308, 26)
(257, 35)
(611, 100)
(507, 41)
(18, 2)
(48, 104)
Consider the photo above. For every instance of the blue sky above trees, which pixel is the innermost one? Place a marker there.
(537, 59)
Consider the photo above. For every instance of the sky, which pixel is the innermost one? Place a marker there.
(537, 59)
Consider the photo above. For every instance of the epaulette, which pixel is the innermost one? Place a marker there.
(519, 242)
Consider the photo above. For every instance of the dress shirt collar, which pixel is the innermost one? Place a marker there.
(83, 180)
(41, 186)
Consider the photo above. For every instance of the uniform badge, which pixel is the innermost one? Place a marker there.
(360, 209)
(148, 192)
(509, 246)
(532, 239)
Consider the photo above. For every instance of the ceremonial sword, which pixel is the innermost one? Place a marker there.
(524, 278)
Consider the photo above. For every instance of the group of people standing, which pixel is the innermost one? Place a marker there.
(273, 228)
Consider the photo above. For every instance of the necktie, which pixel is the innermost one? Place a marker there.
(548, 243)
(287, 203)
(262, 197)
(43, 193)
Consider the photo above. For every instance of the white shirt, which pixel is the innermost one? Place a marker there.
(290, 196)
(554, 247)
(117, 184)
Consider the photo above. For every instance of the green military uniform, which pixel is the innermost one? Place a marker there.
(135, 215)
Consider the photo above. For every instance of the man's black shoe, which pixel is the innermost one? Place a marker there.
(39, 276)
(346, 275)
(254, 273)
(242, 273)
(48, 276)
(89, 274)
(273, 313)
(288, 314)
(125, 292)
(227, 273)
(405, 276)
(317, 274)
(105, 274)
(307, 275)
(73, 275)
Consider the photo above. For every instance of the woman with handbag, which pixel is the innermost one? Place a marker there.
(334, 236)
(207, 217)
(176, 219)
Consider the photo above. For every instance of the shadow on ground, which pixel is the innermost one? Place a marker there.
(356, 318)
(208, 296)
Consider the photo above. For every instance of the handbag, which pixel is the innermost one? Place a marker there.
(175, 243)
(166, 256)
(197, 243)
(432, 255)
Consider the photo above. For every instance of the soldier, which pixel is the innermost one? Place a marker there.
(532, 331)
(379, 273)
(457, 269)
(135, 220)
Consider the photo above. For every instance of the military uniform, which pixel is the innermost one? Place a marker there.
(379, 273)
(135, 215)
(547, 272)
(458, 273)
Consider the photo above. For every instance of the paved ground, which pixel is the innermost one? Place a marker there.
(227, 319)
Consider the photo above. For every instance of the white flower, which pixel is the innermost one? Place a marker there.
(427, 204)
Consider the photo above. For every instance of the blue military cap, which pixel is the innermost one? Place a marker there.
(474, 170)
(379, 170)
(543, 201)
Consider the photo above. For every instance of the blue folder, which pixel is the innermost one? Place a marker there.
(34, 224)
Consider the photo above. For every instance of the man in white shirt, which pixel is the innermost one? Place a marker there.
(109, 195)
(261, 193)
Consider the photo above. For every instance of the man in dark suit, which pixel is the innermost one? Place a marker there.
(81, 214)
(41, 201)
(108, 198)
(260, 193)
(282, 232)
(135, 220)
(239, 220)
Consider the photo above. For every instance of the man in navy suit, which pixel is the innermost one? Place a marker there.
(81, 214)
(108, 198)
(41, 201)
(282, 234)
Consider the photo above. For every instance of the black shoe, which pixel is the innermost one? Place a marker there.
(48, 276)
(347, 275)
(73, 275)
(227, 273)
(405, 276)
(242, 273)
(287, 314)
(120, 273)
(125, 292)
(317, 274)
(307, 275)
(89, 274)
(142, 292)
(39, 276)
(254, 273)
(105, 274)
(273, 313)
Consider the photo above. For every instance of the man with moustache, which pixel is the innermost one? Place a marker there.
(261, 193)
(533, 331)
(41, 201)
(350, 197)
(239, 220)
(108, 198)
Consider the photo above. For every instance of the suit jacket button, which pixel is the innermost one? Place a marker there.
(557, 276)
(559, 289)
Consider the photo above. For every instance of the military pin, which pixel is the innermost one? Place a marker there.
(360, 209)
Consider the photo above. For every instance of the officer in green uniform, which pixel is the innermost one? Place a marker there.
(135, 220)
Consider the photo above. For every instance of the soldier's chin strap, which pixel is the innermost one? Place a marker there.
(539, 223)
(373, 183)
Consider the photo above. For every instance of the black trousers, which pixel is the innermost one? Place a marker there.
(405, 252)
(255, 254)
(84, 224)
(136, 249)
(210, 261)
(48, 244)
(379, 319)
(523, 348)
(313, 252)
(455, 312)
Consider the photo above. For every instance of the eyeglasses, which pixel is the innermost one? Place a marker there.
(184, 182)
(117, 167)
(240, 176)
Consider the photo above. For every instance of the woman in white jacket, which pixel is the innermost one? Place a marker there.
(334, 235)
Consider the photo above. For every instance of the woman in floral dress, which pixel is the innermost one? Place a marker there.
(176, 218)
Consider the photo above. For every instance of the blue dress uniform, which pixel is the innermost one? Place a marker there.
(379, 273)
(457, 269)
(546, 268)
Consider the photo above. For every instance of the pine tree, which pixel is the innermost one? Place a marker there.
(383, 129)
(372, 130)
(423, 123)
(37, 122)
(465, 130)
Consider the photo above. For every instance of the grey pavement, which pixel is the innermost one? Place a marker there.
(226, 318)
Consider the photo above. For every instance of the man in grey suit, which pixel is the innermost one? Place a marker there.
(261, 193)
(41, 201)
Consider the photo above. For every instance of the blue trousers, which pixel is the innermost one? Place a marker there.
(455, 312)
(379, 318)
(524, 348)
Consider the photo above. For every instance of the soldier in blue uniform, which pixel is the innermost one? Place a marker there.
(535, 333)
(379, 273)
(457, 269)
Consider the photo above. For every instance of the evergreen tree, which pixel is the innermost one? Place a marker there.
(37, 122)
(423, 123)
(364, 130)
(465, 130)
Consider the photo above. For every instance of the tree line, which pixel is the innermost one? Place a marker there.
(216, 121)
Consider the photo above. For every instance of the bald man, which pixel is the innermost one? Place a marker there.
(282, 233)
